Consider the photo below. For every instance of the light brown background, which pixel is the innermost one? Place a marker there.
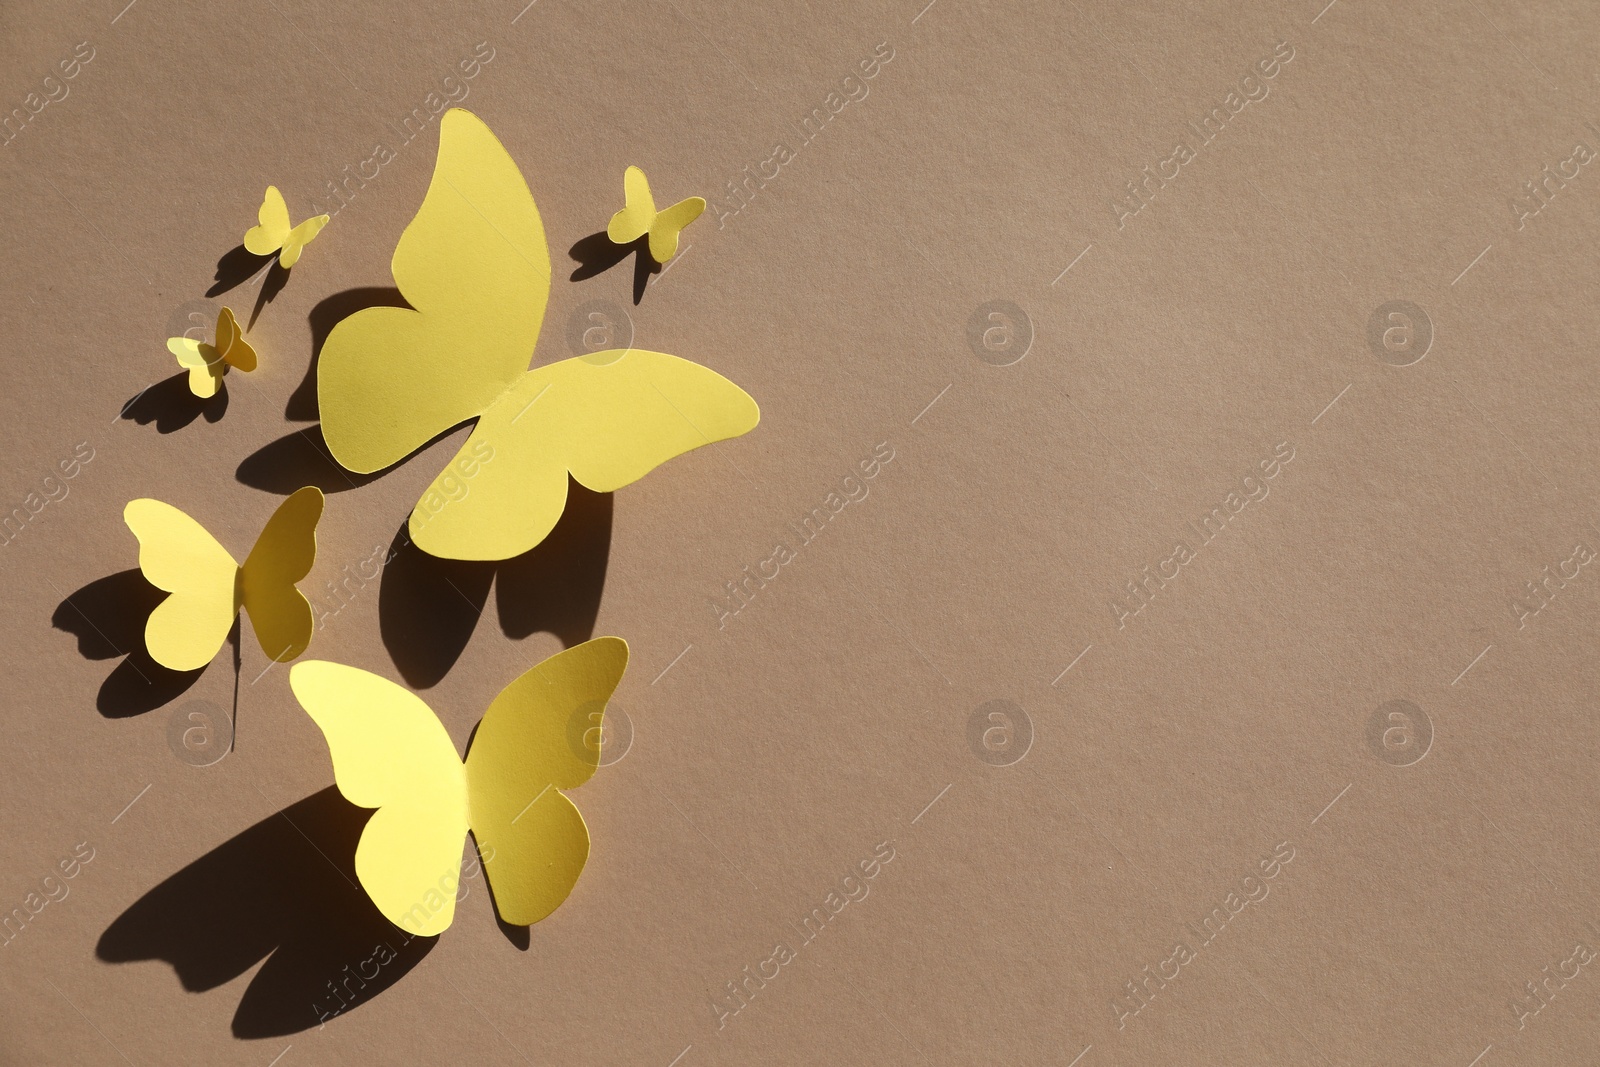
(827, 716)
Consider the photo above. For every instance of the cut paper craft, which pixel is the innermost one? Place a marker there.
(188, 628)
(391, 752)
(208, 363)
(274, 234)
(475, 265)
(639, 217)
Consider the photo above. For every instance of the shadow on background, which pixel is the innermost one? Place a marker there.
(107, 616)
(597, 253)
(298, 459)
(302, 406)
(237, 266)
(171, 406)
(284, 890)
(428, 607)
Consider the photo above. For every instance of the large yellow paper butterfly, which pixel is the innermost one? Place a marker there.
(475, 265)
(208, 363)
(391, 752)
(639, 217)
(208, 588)
(274, 234)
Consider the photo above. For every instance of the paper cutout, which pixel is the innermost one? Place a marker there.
(274, 234)
(188, 628)
(475, 265)
(391, 752)
(639, 217)
(208, 363)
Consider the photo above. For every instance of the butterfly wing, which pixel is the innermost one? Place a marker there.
(236, 351)
(283, 554)
(390, 752)
(204, 376)
(298, 238)
(609, 418)
(669, 224)
(529, 746)
(638, 209)
(267, 237)
(475, 265)
(176, 554)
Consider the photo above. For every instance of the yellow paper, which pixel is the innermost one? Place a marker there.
(188, 628)
(208, 363)
(274, 234)
(639, 217)
(475, 265)
(390, 752)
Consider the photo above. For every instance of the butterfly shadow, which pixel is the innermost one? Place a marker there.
(171, 406)
(284, 890)
(428, 607)
(237, 266)
(299, 459)
(598, 253)
(328, 313)
(107, 616)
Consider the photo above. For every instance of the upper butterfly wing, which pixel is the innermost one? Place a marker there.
(475, 265)
(608, 418)
(283, 554)
(298, 238)
(669, 224)
(390, 752)
(176, 554)
(267, 237)
(638, 209)
(534, 741)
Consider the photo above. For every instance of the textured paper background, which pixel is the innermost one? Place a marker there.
(1162, 755)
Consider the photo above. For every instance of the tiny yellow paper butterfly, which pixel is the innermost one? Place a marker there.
(276, 235)
(391, 752)
(639, 217)
(208, 587)
(208, 363)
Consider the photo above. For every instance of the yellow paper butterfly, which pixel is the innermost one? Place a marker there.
(391, 752)
(208, 588)
(639, 217)
(274, 234)
(475, 265)
(208, 363)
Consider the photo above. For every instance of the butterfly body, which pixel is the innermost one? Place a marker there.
(209, 587)
(390, 752)
(475, 265)
(207, 363)
(273, 232)
(639, 217)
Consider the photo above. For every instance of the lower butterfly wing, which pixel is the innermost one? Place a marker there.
(298, 238)
(475, 265)
(205, 376)
(532, 743)
(267, 237)
(176, 554)
(669, 224)
(638, 209)
(609, 418)
(282, 556)
(390, 752)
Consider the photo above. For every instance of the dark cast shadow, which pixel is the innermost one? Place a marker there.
(597, 253)
(277, 278)
(237, 266)
(284, 890)
(428, 607)
(302, 406)
(171, 406)
(297, 459)
(107, 616)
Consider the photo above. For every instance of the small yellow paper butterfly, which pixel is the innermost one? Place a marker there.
(475, 265)
(639, 217)
(208, 363)
(391, 752)
(276, 235)
(208, 587)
